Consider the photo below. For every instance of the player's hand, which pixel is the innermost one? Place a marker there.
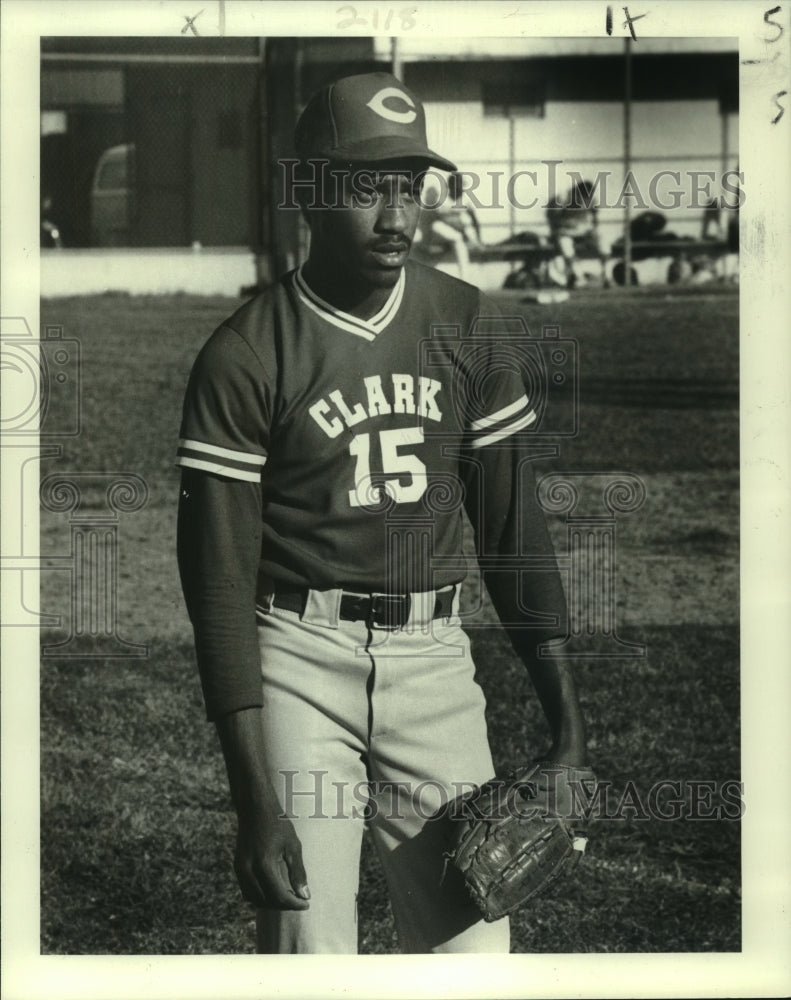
(268, 863)
(562, 790)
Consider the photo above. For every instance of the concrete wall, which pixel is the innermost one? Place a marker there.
(216, 271)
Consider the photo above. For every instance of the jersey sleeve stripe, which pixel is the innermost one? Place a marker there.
(222, 461)
(504, 414)
(506, 431)
(190, 462)
(212, 449)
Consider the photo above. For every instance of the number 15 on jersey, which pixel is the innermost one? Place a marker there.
(402, 476)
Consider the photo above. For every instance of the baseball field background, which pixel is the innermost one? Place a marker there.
(137, 829)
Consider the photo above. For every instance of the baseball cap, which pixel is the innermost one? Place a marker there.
(366, 118)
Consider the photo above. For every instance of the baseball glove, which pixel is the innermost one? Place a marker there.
(514, 838)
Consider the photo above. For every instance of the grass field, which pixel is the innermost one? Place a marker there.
(137, 828)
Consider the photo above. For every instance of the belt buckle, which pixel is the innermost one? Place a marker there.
(389, 611)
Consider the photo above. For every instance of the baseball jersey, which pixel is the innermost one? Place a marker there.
(322, 450)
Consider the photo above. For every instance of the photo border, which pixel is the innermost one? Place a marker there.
(763, 967)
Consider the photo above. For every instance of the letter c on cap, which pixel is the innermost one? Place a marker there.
(377, 104)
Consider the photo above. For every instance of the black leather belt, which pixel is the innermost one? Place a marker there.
(379, 610)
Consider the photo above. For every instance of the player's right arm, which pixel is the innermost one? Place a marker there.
(268, 859)
(222, 450)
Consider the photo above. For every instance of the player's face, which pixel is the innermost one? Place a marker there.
(367, 234)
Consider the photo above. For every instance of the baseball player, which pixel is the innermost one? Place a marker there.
(335, 428)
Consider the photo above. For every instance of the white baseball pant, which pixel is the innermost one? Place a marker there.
(391, 721)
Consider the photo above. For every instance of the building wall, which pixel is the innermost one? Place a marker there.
(196, 135)
(227, 204)
(511, 116)
(587, 137)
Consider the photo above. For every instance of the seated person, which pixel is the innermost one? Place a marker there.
(451, 225)
(574, 227)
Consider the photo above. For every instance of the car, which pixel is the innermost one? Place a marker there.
(113, 197)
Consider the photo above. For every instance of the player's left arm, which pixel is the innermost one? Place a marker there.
(502, 504)
(522, 575)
